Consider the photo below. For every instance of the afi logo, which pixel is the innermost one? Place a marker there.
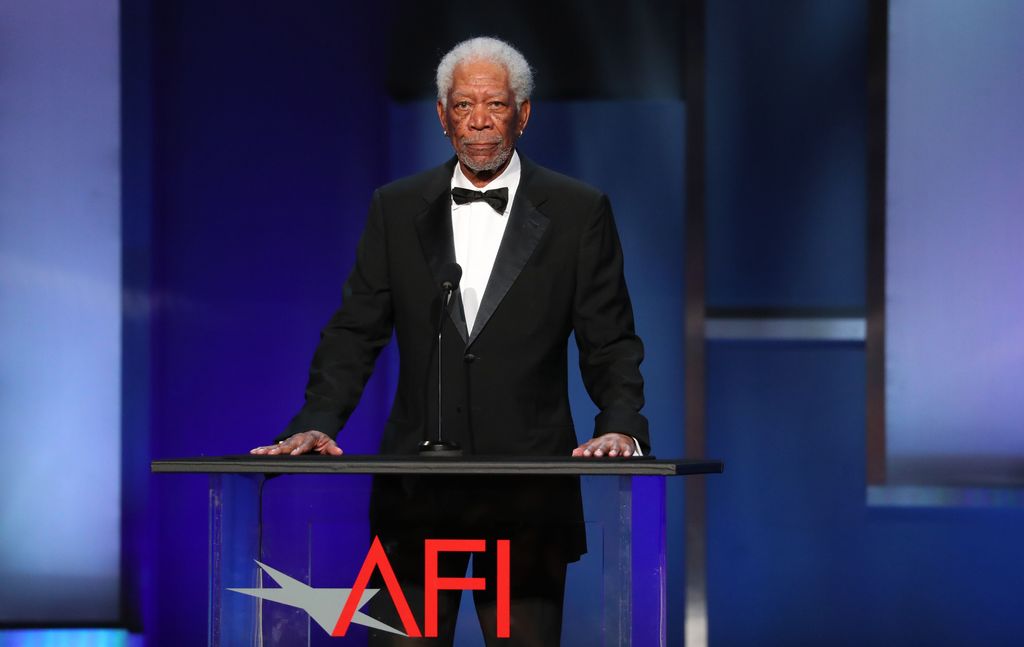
(336, 609)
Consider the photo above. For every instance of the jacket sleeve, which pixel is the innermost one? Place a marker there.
(610, 351)
(353, 338)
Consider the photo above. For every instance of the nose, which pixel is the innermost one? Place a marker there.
(479, 119)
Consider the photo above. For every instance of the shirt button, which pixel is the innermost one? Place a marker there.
(469, 358)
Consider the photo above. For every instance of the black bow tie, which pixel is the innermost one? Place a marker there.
(497, 198)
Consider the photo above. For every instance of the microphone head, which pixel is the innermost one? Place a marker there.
(450, 275)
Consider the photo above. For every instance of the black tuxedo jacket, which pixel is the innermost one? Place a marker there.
(558, 270)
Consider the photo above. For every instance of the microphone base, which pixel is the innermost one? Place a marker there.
(439, 449)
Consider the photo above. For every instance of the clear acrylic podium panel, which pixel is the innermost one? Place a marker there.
(314, 529)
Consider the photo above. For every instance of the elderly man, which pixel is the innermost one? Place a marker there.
(541, 260)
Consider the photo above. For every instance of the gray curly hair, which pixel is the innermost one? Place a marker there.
(484, 48)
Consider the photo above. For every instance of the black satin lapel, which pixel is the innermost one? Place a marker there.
(434, 227)
(526, 226)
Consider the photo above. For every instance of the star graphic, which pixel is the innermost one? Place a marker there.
(323, 605)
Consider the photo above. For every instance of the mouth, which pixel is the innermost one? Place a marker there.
(481, 146)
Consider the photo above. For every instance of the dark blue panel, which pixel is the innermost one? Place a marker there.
(796, 556)
(136, 322)
(264, 164)
(786, 108)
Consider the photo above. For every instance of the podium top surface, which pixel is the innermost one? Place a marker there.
(383, 464)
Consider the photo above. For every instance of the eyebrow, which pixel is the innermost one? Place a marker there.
(501, 96)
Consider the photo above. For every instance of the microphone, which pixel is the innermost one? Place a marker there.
(450, 275)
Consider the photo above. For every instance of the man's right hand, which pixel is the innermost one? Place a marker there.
(302, 443)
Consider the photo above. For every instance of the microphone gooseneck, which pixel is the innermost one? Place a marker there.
(450, 275)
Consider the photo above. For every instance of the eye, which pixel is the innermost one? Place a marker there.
(497, 105)
(462, 105)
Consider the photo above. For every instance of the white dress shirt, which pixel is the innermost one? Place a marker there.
(477, 230)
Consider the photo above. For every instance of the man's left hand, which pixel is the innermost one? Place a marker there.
(607, 445)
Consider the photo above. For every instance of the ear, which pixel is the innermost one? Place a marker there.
(441, 116)
(524, 115)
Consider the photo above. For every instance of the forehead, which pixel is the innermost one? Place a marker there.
(480, 75)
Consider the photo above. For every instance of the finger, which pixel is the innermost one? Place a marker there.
(286, 446)
(609, 448)
(323, 442)
(324, 445)
(622, 447)
(307, 443)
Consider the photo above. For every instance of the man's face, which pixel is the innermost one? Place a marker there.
(482, 119)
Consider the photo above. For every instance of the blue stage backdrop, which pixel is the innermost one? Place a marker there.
(253, 136)
(796, 554)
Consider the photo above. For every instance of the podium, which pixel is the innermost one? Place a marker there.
(289, 537)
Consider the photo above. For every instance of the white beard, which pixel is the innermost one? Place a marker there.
(492, 164)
